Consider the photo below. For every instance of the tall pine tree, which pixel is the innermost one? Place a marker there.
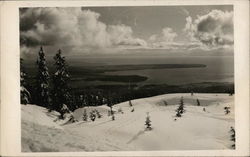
(60, 92)
(42, 81)
(25, 94)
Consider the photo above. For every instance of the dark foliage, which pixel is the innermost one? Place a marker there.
(42, 81)
(60, 92)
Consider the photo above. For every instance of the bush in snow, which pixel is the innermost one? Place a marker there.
(180, 110)
(113, 117)
(98, 114)
(165, 102)
(120, 110)
(198, 102)
(130, 103)
(227, 110)
(60, 93)
(64, 110)
(92, 115)
(148, 122)
(42, 81)
(24, 93)
(232, 136)
(85, 115)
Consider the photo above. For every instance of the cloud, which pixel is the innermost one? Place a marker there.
(123, 35)
(166, 37)
(214, 29)
(71, 27)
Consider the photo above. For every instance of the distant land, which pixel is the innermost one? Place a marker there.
(108, 68)
(96, 73)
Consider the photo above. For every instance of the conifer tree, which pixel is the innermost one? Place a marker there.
(92, 115)
(165, 102)
(61, 78)
(180, 110)
(130, 103)
(85, 115)
(113, 116)
(227, 110)
(110, 103)
(98, 115)
(148, 122)
(42, 81)
(24, 93)
(198, 102)
(232, 136)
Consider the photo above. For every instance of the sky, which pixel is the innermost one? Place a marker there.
(127, 30)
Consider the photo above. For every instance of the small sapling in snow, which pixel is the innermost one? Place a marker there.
(148, 122)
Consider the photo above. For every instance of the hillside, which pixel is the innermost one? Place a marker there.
(195, 130)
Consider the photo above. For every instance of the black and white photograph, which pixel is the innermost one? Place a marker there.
(127, 78)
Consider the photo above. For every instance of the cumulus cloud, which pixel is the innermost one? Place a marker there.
(164, 39)
(71, 27)
(213, 29)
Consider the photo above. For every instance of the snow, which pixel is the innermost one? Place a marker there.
(39, 116)
(195, 130)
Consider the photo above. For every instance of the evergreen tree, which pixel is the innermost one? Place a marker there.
(25, 94)
(98, 114)
(165, 102)
(148, 122)
(113, 116)
(85, 115)
(227, 110)
(92, 115)
(198, 102)
(232, 136)
(61, 78)
(42, 81)
(110, 103)
(130, 103)
(180, 110)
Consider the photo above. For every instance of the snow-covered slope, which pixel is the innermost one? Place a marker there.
(195, 130)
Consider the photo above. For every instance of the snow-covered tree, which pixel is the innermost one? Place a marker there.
(42, 81)
(98, 114)
(120, 110)
(232, 137)
(85, 115)
(148, 122)
(113, 116)
(165, 102)
(130, 103)
(25, 94)
(64, 109)
(60, 92)
(198, 102)
(227, 110)
(180, 110)
(110, 103)
(92, 115)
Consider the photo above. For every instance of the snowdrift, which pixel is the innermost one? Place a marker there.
(197, 129)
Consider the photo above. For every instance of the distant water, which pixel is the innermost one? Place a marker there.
(219, 68)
